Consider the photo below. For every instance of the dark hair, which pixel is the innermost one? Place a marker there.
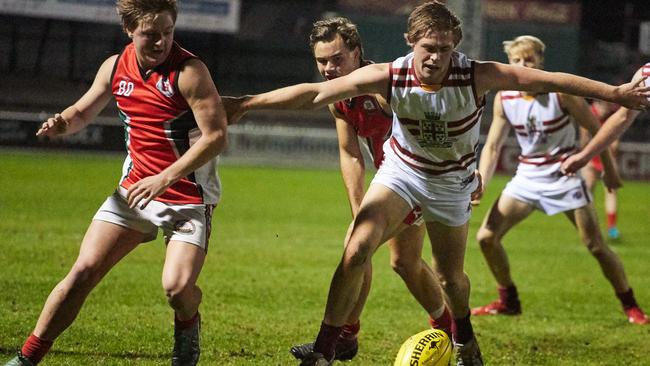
(433, 16)
(132, 12)
(327, 29)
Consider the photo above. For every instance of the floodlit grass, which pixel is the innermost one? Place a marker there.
(276, 241)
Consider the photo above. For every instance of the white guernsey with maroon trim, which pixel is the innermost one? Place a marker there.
(436, 128)
(543, 129)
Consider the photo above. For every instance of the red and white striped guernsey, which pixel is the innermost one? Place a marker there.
(159, 126)
(544, 131)
(436, 132)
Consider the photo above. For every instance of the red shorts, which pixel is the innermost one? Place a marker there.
(414, 217)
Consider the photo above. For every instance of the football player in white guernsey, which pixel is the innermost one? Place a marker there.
(612, 130)
(433, 91)
(541, 122)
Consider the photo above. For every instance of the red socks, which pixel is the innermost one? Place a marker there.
(185, 324)
(627, 299)
(350, 331)
(462, 330)
(35, 348)
(611, 219)
(326, 340)
(443, 322)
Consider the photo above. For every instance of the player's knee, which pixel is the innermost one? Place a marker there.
(454, 283)
(175, 289)
(597, 248)
(486, 238)
(404, 266)
(84, 275)
(356, 255)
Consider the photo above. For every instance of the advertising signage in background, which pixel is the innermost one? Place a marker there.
(217, 16)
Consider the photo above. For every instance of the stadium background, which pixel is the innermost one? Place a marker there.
(278, 231)
(50, 55)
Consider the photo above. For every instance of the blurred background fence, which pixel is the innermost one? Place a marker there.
(50, 52)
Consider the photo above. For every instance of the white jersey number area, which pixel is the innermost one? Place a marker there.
(125, 88)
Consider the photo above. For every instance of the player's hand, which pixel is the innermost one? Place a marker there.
(634, 95)
(234, 108)
(478, 192)
(145, 190)
(573, 163)
(56, 125)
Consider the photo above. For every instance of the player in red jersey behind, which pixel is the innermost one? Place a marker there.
(594, 170)
(175, 126)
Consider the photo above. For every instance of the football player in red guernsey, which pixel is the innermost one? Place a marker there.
(175, 127)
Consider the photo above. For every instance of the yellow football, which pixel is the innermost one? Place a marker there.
(431, 347)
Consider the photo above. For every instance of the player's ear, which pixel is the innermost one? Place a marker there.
(406, 39)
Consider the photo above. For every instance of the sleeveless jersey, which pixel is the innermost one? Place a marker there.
(645, 72)
(436, 132)
(544, 132)
(365, 115)
(159, 126)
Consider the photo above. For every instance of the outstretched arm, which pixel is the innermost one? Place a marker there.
(579, 110)
(83, 111)
(371, 79)
(611, 130)
(494, 76)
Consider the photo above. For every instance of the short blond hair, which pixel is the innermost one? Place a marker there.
(430, 17)
(525, 44)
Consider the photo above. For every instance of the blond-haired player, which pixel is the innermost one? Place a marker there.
(542, 125)
(437, 96)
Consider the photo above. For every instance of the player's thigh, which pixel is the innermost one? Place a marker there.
(585, 220)
(505, 213)
(183, 264)
(406, 246)
(105, 244)
(380, 216)
(448, 245)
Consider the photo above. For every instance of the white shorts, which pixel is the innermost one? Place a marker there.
(549, 196)
(445, 200)
(190, 223)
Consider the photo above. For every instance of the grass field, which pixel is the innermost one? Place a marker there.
(277, 239)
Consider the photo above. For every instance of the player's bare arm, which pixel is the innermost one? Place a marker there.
(196, 86)
(497, 135)
(611, 131)
(494, 76)
(371, 79)
(84, 110)
(351, 160)
(579, 110)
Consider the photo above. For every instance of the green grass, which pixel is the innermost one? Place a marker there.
(276, 241)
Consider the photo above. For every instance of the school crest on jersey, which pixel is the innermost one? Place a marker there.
(433, 131)
(165, 87)
(369, 106)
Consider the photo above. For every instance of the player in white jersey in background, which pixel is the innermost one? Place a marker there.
(541, 122)
(437, 96)
(612, 130)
